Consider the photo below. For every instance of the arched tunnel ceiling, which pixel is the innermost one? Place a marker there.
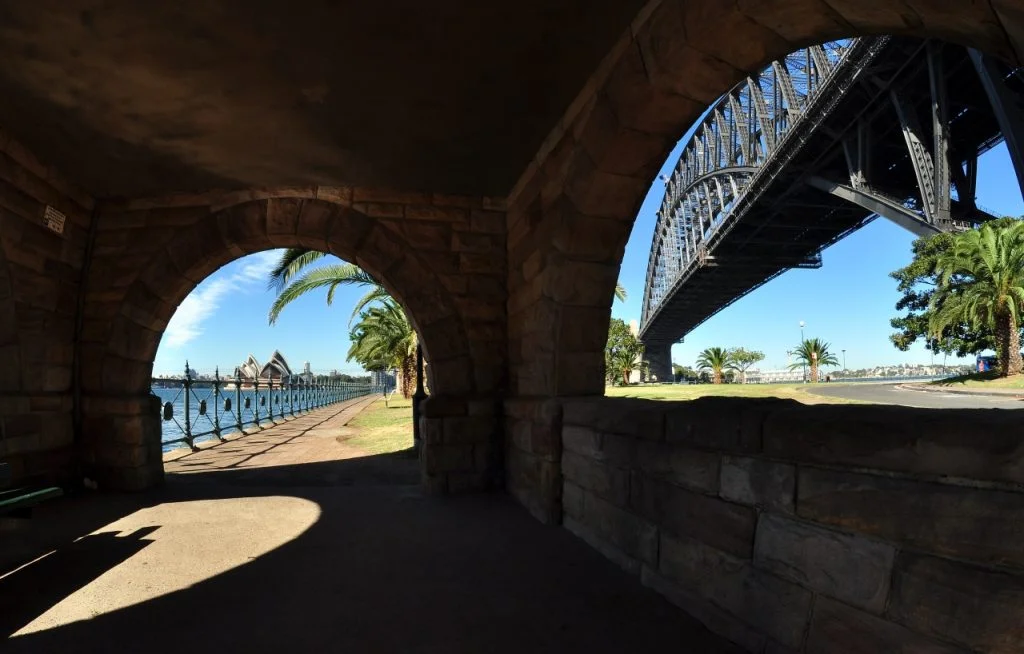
(133, 98)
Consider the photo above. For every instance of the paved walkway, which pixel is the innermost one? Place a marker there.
(268, 544)
(901, 395)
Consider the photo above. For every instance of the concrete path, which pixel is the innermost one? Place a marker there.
(895, 394)
(271, 545)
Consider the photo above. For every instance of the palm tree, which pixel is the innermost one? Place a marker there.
(620, 292)
(981, 282)
(383, 339)
(290, 286)
(717, 360)
(813, 352)
(627, 358)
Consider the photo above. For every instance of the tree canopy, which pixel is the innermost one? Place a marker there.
(742, 359)
(717, 360)
(813, 353)
(918, 282)
(623, 353)
(981, 285)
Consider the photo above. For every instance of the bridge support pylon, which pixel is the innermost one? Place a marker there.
(659, 356)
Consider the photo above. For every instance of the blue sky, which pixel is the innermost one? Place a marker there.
(848, 302)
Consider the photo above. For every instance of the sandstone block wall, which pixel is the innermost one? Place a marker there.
(824, 529)
(40, 274)
(443, 257)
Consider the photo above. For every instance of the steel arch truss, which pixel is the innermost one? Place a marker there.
(737, 137)
(812, 148)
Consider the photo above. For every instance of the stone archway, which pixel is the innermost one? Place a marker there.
(571, 212)
(140, 277)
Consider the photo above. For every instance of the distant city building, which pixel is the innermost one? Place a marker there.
(382, 378)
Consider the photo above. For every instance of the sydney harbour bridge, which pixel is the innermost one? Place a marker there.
(814, 147)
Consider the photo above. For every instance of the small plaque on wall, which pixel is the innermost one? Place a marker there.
(54, 220)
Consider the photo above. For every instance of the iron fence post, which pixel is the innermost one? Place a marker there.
(291, 396)
(238, 401)
(256, 400)
(188, 413)
(216, 402)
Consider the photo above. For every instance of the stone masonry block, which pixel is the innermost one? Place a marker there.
(853, 569)
(840, 629)
(694, 469)
(974, 444)
(720, 423)
(772, 605)
(572, 499)
(703, 609)
(978, 524)
(459, 430)
(599, 478)
(610, 448)
(630, 417)
(631, 533)
(758, 482)
(599, 542)
(726, 526)
(980, 608)
(447, 458)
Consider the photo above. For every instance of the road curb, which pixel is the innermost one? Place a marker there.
(1012, 395)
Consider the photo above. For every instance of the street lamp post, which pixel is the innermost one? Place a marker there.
(844, 361)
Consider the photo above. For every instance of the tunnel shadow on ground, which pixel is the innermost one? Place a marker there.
(383, 568)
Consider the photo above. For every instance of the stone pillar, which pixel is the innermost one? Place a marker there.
(659, 356)
(461, 450)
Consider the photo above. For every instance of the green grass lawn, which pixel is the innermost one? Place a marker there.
(383, 429)
(693, 391)
(982, 380)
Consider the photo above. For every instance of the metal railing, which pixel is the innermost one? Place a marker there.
(214, 406)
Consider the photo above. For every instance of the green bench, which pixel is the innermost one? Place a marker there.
(18, 502)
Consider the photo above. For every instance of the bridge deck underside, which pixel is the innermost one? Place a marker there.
(788, 222)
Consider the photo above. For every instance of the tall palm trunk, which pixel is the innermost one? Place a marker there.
(814, 373)
(408, 372)
(718, 376)
(625, 376)
(1008, 338)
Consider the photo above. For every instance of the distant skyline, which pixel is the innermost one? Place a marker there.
(848, 302)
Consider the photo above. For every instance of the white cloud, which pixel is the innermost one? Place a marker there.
(203, 302)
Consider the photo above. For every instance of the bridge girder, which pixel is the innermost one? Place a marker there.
(894, 164)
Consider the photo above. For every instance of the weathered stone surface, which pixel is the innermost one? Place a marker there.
(839, 629)
(720, 423)
(683, 466)
(849, 568)
(629, 417)
(572, 500)
(772, 605)
(600, 478)
(631, 533)
(714, 618)
(982, 525)
(980, 608)
(611, 448)
(976, 444)
(758, 482)
(726, 526)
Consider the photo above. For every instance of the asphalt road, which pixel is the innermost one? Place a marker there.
(891, 394)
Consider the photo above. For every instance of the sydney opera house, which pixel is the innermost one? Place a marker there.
(276, 370)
